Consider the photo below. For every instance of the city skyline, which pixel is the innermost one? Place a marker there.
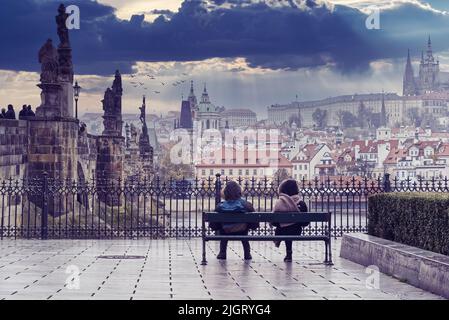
(133, 147)
(244, 81)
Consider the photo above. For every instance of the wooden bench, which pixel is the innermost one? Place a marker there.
(285, 217)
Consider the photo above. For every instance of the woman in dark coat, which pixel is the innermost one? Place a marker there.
(233, 203)
(10, 114)
(289, 201)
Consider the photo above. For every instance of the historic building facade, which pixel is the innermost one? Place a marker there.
(238, 118)
(386, 107)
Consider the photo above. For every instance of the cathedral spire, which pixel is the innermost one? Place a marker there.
(192, 99)
(205, 95)
(429, 51)
(409, 88)
(383, 112)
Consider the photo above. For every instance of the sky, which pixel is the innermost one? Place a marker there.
(249, 53)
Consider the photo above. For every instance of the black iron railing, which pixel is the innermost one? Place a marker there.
(47, 208)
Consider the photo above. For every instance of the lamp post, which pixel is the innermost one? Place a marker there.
(77, 90)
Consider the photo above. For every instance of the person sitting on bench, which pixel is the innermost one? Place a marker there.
(234, 203)
(289, 201)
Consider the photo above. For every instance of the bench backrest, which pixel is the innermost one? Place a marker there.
(284, 217)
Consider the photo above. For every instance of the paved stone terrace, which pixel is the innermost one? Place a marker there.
(171, 270)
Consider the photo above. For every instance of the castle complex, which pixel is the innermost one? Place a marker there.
(427, 93)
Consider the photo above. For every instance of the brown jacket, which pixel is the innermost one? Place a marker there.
(287, 203)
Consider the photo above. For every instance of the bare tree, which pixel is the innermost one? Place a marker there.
(320, 118)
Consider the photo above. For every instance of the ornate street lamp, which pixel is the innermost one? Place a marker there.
(77, 90)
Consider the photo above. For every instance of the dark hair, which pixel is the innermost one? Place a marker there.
(289, 187)
(232, 191)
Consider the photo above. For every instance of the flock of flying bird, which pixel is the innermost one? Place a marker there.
(137, 84)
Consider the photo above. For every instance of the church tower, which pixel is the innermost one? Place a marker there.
(205, 96)
(409, 85)
(383, 112)
(207, 113)
(429, 71)
(193, 101)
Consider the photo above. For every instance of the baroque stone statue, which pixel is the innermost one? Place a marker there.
(143, 119)
(63, 31)
(48, 58)
(142, 114)
(108, 101)
(133, 134)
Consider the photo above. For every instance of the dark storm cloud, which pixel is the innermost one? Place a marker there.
(295, 35)
(165, 12)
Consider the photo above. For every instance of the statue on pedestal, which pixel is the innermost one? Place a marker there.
(108, 101)
(112, 106)
(65, 52)
(133, 139)
(146, 150)
(142, 118)
(117, 84)
(63, 31)
(51, 89)
(48, 58)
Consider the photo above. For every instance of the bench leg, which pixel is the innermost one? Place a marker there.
(330, 252)
(204, 261)
(328, 259)
(326, 254)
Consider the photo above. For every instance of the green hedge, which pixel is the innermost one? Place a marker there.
(416, 219)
